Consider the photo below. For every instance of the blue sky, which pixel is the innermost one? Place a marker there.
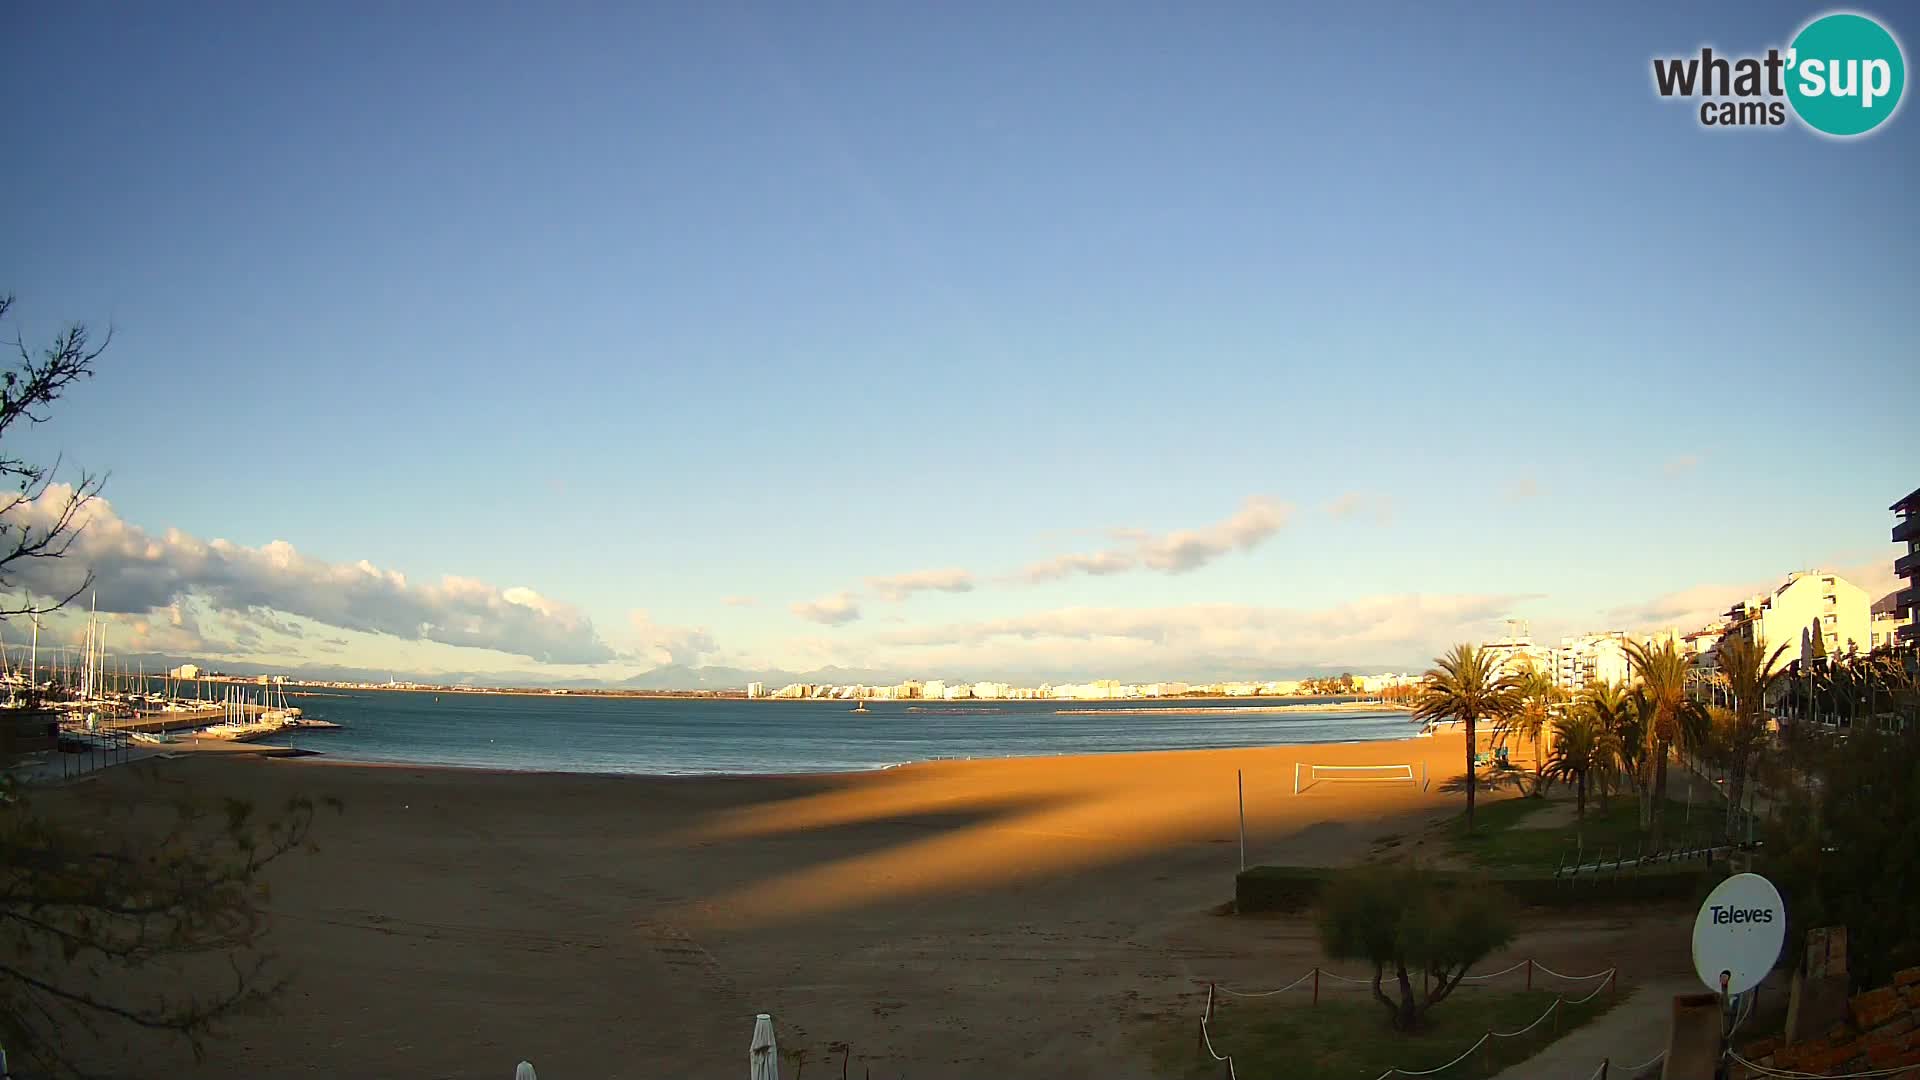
(639, 309)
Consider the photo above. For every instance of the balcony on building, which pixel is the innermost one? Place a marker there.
(1907, 565)
(1909, 511)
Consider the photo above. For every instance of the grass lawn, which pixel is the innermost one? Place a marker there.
(1347, 1036)
(1499, 841)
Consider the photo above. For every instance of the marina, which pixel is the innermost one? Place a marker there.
(88, 705)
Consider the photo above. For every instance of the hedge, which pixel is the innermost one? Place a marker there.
(1292, 889)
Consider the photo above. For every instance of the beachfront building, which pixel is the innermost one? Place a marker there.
(185, 671)
(1516, 654)
(990, 690)
(1813, 614)
(1590, 658)
(1906, 601)
(1701, 643)
(756, 690)
(1887, 623)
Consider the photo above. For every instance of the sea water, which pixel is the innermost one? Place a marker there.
(569, 733)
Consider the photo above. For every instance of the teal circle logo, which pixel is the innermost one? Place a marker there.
(1845, 74)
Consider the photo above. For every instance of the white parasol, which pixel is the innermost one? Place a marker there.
(763, 1058)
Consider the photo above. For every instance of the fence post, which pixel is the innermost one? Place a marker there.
(1529, 973)
(1316, 985)
(1605, 1064)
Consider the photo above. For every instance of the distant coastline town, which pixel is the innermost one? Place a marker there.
(1814, 613)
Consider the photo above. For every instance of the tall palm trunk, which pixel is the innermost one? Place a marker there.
(1539, 765)
(1645, 783)
(1659, 803)
(1736, 790)
(1472, 746)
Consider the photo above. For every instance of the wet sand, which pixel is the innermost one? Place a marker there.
(1015, 918)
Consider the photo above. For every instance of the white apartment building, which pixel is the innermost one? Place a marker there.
(1517, 655)
(1590, 658)
(1885, 628)
(1810, 602)
(756, 690)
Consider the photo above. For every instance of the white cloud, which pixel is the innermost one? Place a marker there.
(1190, 549)
(739, 601)
(1352, 504)
(835, 609)
(663, 645)
(1404, 630)
(1176, 552)
(137, 572)
(1096, 563)
(900, 586)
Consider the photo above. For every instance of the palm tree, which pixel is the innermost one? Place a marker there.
(1670, 716)
(1749, 672)
(1609, 706)
(1530, 720)
(1467, 685)
(1582, 748)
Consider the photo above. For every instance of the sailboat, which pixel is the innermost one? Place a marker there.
(860, 706)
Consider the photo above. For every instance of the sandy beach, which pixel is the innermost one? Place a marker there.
(1024, 917)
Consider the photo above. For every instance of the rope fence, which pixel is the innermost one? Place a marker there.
(1206, 1039)
(1607, 981)
(1790, 1074)
(1531, 966)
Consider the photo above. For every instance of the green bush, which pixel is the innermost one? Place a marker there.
(1294, 889)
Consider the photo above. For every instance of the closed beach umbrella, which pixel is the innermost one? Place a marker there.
(524, 1072)
(763, 1060)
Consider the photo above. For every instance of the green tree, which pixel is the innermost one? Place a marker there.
(1670, 716)
(1467, 685)
(1844, 849)
(1609, 705)
(1582, 749)
(1530, 719)
(1405, 922)
(1748, 671)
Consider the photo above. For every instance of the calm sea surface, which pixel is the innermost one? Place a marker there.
(604, 735)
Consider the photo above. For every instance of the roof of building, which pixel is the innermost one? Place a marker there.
(1911, 502)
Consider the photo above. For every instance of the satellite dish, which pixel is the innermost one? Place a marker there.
(1738, 934)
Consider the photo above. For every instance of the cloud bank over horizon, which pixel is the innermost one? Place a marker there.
(138, 573)
(177, 595)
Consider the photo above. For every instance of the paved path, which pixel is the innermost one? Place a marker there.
(1630, 1033)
